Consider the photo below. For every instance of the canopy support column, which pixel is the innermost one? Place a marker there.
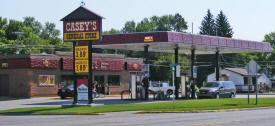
(192, 73)
(176, 78)
(217, 65)
(146, 78)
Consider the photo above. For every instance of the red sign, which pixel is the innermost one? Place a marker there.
(82, 89)
(82, 82)
(81, 26)
(148, 39)
(113, 65)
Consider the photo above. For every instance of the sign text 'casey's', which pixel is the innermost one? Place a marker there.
(81, 26)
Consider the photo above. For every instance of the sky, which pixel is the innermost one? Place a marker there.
(250, 19)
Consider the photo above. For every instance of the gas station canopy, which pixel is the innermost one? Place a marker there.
(168, 41)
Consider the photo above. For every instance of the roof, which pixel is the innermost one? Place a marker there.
(81, 13)
(164, 41)
(240, 71)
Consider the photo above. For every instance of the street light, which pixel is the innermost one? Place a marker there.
(17, 34)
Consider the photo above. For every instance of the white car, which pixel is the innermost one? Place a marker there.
(161, 87)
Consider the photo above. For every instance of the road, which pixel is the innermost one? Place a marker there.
(263, 117)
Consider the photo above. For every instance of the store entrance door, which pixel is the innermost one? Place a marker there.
(4, 85)
(101, 87)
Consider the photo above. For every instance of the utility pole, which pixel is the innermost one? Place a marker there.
(17, 34)
(192, 27)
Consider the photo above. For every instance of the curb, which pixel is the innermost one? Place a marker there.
(203, 111)
(51, 114)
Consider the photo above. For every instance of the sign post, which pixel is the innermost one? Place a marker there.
(173, 78)
(195, 71)
(80, 26)
(252, 69)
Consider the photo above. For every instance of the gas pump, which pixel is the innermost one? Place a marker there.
(133, 86)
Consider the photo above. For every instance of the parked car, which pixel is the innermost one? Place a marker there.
(217, 89)
(161, 87)
(66, 91)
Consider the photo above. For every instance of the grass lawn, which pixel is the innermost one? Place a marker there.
(183, 105)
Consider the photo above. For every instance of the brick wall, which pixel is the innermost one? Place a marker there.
(24, 71)
(19, 81)
(38, 90)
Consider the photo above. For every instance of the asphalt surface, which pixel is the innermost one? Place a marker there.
(262, 117)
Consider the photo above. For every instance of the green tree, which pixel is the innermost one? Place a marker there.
(129, 26)
(13, 26)
(223, 27)
(270, 38)
(35, 38)
(112, 31)
(32, 23)
(3, 22)
(50, 33)
(180, 24)
(145, 26)
(155, 23)
(208, 25)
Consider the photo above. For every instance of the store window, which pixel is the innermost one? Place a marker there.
(66, 80)
(114, 80)
(245, 81)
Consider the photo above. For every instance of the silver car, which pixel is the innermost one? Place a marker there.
(162, 87)
(217, 89)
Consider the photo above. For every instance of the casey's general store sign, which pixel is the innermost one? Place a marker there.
(81, 30)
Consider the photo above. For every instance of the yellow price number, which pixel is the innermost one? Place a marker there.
(81, 66)
(81, 52)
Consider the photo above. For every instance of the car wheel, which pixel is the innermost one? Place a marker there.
(63, 97)
(217, 96)
(169, 92)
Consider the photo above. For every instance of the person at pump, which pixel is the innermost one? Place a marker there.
(145, 83)
(95, 89)
(193, 90)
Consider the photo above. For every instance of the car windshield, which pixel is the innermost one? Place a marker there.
(156, 85)
(212, 84)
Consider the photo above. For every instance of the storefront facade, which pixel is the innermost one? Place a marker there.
(41, 75)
